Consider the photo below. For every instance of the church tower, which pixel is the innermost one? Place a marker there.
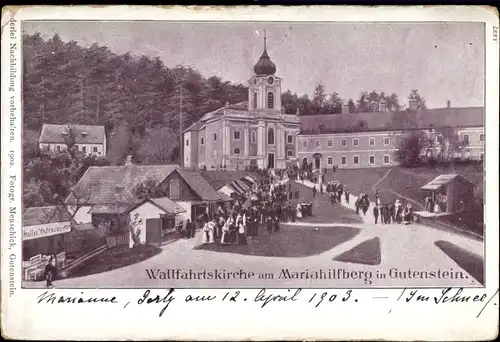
(264, 88)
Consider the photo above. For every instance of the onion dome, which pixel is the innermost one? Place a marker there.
(264, 66)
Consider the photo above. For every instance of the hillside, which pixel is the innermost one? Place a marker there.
(64, 82)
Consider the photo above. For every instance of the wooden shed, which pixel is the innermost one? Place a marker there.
(452, 192)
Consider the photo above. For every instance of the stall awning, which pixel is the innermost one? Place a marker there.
(242, 185)
(237, 187)
(443, 180)
(250, 179)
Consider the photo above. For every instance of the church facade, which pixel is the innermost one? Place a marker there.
(254, 133)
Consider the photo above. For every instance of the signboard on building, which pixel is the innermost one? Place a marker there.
(35, 232)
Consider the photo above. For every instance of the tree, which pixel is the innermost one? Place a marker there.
(409, 147)
(392, 103)
(334, 104)
(318, 100)
(351, 105)
(363, 103)
(448, 142)
(415, 96)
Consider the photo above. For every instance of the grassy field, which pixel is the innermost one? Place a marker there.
(291, 241)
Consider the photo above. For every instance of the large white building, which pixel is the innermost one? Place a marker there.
(254, 133)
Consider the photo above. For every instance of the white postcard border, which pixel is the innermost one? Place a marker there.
(377, 314)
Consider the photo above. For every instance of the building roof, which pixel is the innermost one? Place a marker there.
(168, 205)
(200, 185)
(42, 215)
(243, 106)
(109, 208)
(218, 179)
(388, 121)
(115, 184)
(84, 134)
(441, 180)
(264, 66)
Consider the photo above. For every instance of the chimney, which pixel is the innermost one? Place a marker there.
(128, 161)
(448, 104)
(413, 104)
(345, 109)
(382, 106)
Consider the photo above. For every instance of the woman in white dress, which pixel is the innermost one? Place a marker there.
(211, 228)
(204, 235)
(299, 211)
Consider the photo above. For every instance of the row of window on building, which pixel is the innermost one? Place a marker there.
(253, 137)
(386, 160)
(343, 142)
(60, 148)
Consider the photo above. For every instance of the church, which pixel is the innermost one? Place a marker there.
(258, 132)
(254, 133)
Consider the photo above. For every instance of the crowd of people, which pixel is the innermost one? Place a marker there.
(273, 200)
(263, 208)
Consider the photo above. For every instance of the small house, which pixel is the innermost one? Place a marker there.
(451, 193)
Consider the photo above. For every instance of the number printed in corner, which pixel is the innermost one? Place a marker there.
(495, 33)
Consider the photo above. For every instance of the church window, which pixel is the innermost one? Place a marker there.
(215, 136)
(270, 100)
(289, 153)
(236, 151)
(253, 137)
(202, 141)
(255, 100)
(236, 135)
(187, 142)
(289, 138)
(270, 136)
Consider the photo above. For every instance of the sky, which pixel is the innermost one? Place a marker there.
(443, 60)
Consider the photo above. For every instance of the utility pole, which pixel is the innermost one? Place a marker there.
(44, 105)
(181, 140)
(81, 102)
(97, 104)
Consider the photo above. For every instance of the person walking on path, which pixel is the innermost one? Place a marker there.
(375, 213)
(314, 191)
(346, 195)
(50, 271)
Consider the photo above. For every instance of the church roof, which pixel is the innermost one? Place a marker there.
(264, 66)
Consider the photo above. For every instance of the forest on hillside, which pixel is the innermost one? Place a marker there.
(138, 98)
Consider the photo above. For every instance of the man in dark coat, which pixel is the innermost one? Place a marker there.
(314, 191)
(269, 224)
(50, 271)
(346, 195)
(375, 213)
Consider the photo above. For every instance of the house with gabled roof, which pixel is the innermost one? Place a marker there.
(110, 195)
(90, 139)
